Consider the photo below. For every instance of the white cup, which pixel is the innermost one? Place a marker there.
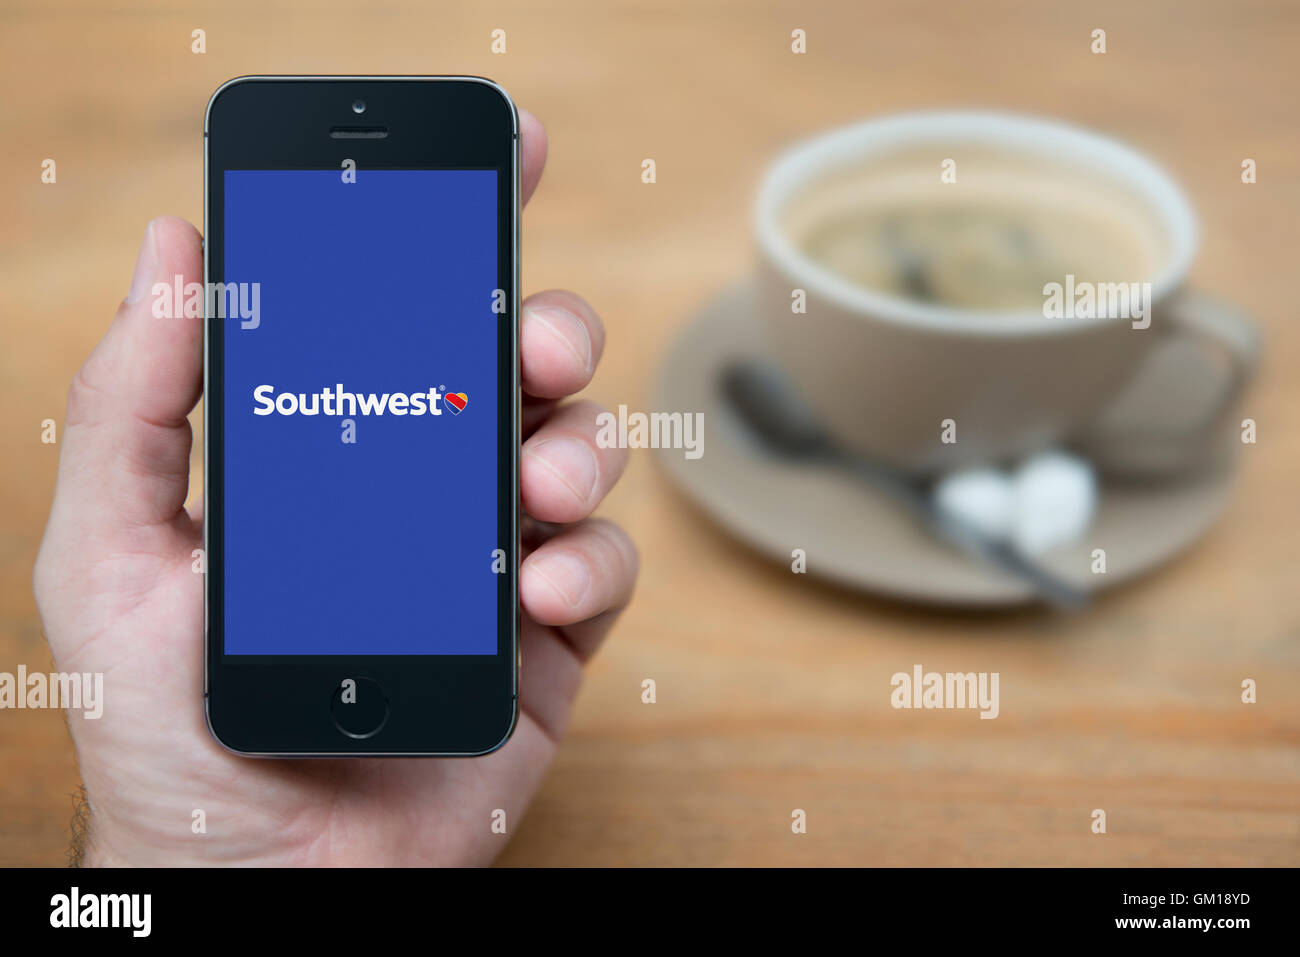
(885, 373)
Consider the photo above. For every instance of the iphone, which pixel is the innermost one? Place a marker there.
(361, 415)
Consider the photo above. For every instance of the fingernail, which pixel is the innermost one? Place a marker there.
(146, 267)
(572, 461)
(567, 574)
(570, 330)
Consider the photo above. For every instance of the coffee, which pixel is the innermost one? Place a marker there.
(989, 241)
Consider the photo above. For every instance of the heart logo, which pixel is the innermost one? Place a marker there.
(456, 402)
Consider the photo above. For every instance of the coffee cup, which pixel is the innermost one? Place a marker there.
(949, 289)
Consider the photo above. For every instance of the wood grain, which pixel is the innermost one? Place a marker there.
(772, 689)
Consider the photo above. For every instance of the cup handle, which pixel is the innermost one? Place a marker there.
(1221, 325)
(1138, 451)
(1212, 324)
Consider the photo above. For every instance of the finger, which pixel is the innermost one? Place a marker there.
(585, 635)
(532, 146)
(560, 341)
(583, 572)
(563, 473)
(126, 450)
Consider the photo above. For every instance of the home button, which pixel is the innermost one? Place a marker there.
(359, 707)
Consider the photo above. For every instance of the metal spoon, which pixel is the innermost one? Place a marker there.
(774, 414)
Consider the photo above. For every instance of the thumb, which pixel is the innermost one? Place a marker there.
(124, 461)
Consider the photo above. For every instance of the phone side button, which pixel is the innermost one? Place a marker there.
(359, 707)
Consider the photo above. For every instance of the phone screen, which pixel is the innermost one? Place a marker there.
(360, 391)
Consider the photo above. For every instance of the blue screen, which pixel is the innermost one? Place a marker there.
(378, 288)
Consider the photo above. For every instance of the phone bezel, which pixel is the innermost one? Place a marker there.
(439, 705)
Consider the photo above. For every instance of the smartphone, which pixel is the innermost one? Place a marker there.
(361, 416)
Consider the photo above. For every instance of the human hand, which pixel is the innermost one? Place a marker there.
(117, 596)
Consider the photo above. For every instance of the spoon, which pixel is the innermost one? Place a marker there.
(772, 412)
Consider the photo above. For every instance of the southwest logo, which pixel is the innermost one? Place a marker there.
(337, 402)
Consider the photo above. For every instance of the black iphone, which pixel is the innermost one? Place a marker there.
(361, 403)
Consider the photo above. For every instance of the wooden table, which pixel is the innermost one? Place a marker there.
(772, 689)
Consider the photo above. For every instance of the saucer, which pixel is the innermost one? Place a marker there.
(854, 534)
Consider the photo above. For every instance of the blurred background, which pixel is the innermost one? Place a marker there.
(773, 688)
